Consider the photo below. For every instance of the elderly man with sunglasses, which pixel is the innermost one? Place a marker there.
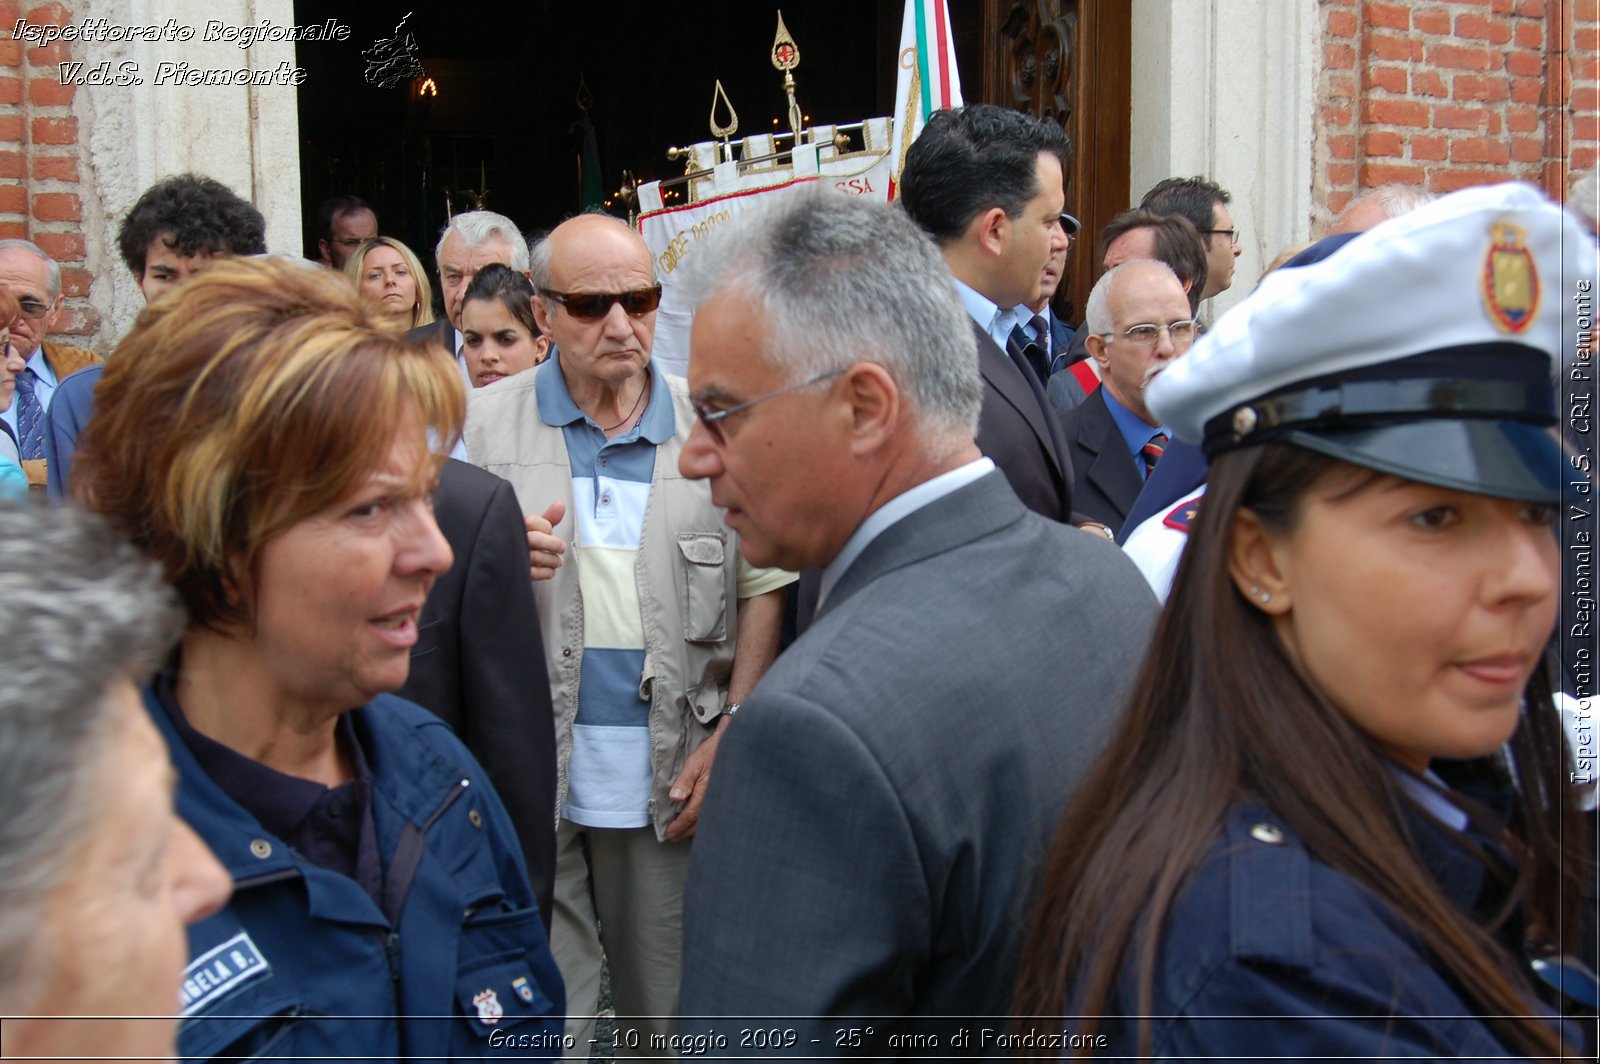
(654, 628)
(1139, 319)
(35, 280)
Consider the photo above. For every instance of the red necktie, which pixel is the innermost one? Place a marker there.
(1151, 452)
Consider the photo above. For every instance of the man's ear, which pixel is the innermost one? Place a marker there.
(1258, 562)
(1096, 346)
(991, 230)
(541, 314)
(874, 406)
(57, 305)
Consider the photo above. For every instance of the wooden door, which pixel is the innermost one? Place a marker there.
(1069, 62)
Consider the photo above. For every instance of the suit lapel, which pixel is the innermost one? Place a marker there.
(1114, 470)
(1004, 376)
(966, 514)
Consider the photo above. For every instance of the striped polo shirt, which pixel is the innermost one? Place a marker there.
(609, 773)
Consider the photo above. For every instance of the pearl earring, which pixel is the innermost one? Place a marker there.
(1261, 596)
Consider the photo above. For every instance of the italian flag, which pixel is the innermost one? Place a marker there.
(928, 79)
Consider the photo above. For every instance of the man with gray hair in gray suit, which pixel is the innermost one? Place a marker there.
(869, 844)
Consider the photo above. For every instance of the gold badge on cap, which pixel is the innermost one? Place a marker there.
(1510, 283)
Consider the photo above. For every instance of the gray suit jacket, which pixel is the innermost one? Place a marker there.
(884, 800)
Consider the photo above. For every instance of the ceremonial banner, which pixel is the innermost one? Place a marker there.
(928, 79)
(674, 233)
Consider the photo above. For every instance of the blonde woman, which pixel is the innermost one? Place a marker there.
(392, 279)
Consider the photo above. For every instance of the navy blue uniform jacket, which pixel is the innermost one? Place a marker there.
(303, 963)
(1269, 953)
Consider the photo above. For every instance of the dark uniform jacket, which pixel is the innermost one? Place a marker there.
(303, 963)
(1269, 953)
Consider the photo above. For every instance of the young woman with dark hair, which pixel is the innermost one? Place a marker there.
(1336, 821)
(499, 335)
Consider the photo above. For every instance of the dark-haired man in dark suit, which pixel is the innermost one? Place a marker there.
(985, 183)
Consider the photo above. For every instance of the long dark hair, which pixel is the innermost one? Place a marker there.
(1221, 714)
(514, 291)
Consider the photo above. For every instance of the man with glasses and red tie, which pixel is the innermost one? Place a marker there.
(1139, 320)
(654, 627)
(35, 280)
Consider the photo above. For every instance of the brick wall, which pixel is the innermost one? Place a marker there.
(39, 191)
(1451, 93)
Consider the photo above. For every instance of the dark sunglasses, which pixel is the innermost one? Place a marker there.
(33, 309)
(592, 306)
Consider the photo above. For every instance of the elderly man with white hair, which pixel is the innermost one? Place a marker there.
(34, 278)
(654, 633)
(1139, 319)
(469, 242)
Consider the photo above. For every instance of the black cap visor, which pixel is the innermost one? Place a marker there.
(1500, 458)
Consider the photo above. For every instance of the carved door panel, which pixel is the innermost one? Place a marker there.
(1069, 62)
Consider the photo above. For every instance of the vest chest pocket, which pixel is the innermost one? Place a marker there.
(704, 586)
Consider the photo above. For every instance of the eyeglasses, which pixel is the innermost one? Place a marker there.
(1146, 334)
(1231, 234)
(33, 309)
(592, 306)
(711, 418)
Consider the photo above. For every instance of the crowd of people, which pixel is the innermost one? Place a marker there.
(924, 674)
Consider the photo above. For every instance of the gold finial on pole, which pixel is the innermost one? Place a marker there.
(629, 195)
(785, 57)
(722, 131)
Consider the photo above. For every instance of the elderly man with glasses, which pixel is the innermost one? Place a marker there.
(654, 628)
(35, 280)
(1139, 320)
(870, 843)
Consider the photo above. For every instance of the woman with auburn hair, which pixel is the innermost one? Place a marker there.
(1331, 824)
(392, 279)
(266, 439)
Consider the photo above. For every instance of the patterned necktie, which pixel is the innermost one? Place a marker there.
(1151, 452)
(30, 417)
(1028, 355)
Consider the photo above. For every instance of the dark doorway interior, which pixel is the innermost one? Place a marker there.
(508, 76)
